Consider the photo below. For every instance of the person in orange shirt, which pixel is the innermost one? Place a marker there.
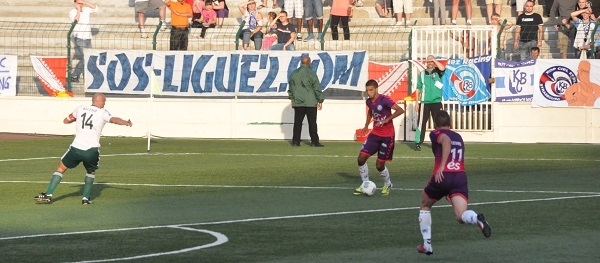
(181, 12)
(341, 11)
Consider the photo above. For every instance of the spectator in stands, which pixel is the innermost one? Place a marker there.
(82, 33)
(468, 10)
(583, 4)
(313, 7)
(585, 27)
(529, 31)
(384, 7)
(439, 11)
(275, 4)
(493, 7)
(402, 6)
(286, 34)
(535, 53)
(547, 4)
(181, 12)
(197, 8)
(341, 10)
(253, 25)
(222, 11)
(271, 35)
(560, 12)
(208, 19)
(497, 21)
(141, 7)
(519, 6)
(295, 9)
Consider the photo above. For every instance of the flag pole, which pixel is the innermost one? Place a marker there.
(150, 101)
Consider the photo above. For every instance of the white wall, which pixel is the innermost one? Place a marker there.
(272, 118)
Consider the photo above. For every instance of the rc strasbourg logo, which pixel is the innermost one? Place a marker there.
(465, 80)
(555, 80)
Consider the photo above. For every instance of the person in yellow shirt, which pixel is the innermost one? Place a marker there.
(181, 12)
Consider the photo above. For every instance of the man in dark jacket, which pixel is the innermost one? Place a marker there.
(307, 97)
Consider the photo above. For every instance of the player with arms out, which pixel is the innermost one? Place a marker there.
(90, 121)
(381, 138)
(449, 179)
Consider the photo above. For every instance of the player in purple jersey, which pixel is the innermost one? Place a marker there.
(381, 138)
(449, 179)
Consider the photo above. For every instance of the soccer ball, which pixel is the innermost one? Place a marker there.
(368, 188)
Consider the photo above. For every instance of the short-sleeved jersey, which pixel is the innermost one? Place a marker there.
(456, 160)
(90, 121)
(380, 109)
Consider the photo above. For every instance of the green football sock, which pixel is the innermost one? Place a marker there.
(56, 177)
(87, 187)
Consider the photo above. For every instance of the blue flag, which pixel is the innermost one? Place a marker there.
(466, 80)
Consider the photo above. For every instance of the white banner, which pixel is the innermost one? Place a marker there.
(566, 83)
(8, 75)
(514, 80)
(207, 73)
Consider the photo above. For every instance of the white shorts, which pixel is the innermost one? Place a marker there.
(520, 4)
(402, 6)
(294, 8)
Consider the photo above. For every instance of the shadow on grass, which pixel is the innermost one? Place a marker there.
(96, 191)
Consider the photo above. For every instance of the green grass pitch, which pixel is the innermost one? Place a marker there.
(265, 201)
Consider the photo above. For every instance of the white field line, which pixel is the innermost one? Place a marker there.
(294, 187)
(293, 217)
(306, 156)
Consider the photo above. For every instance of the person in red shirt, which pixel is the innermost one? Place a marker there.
(381, 138)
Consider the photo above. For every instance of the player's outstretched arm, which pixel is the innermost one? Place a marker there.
(119, 121)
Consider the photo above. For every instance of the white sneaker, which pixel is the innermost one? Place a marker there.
(143, 33)
(399, 23)
(468, 21)
(359, 3)
(164, 26)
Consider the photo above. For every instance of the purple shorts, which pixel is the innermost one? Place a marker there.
(452, 184)
(383, 146)
(222, 13)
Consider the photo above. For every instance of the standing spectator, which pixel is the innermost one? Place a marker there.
(384, 7)
(307, 97)
(141, 7)
(448, 180)
(253, 25)
(313, 7)
(84, 149)
(439, 11)
(493, 7)
(468, 9)
(583, 4)
(402, 6)
(271, 35)
(222, 11)
(528, 33)
(264, 4)
(519, 6)
(547, 4)
(340, 13)
(82, 33)
(295, 8)
(181, 12)
(560, 12)
(208, 19)
(497, 21)
(585, 26)
(535, 53)
(429, 93)
(381, 139)
(286, 34)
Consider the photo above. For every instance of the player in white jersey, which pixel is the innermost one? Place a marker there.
(90, 121)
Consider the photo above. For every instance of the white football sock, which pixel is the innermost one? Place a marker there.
(385, 175)
(425, 224)
(364, 172)
(469, 217)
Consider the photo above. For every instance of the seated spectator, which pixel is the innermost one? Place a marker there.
(141, 6)
(222, 11)
(468, 10)
(271, 36)
(197, 8)
(208, 19)
(384, 7)
(253, 25)
(583, 4)
(402, 6)
(286, 34)
(583, 38)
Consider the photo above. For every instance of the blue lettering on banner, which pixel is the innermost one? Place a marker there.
(4, 83)
(218, 73)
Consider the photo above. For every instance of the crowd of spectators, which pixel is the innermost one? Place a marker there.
(573, 21)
